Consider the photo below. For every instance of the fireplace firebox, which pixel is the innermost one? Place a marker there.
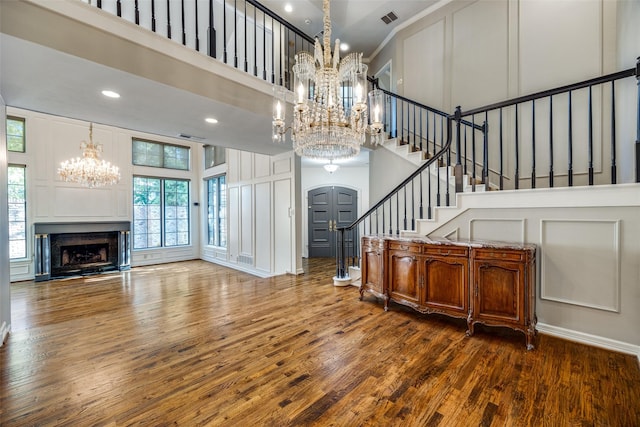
(70, 249)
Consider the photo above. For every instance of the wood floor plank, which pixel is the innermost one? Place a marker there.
(196, 344)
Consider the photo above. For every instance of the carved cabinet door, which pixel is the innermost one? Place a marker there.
(404, 277)
(372, 266)
(445, 284)
(499, 292)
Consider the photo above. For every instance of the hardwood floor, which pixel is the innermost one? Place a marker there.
(193, 343)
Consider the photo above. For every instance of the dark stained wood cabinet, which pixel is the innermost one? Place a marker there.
(491, 283)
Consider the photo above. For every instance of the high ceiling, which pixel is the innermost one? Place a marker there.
(51, 64)
(356, 22)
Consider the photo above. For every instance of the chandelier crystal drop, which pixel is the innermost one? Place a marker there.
(89, 170)
(330, 113)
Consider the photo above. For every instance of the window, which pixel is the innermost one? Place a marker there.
(160, 155)
(213, 156)
(160, 212)
(17, 212)
(216, 211)
(15, 134)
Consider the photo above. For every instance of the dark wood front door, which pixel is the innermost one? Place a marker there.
(329, 208)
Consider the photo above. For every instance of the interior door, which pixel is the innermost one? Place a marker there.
(330, 207)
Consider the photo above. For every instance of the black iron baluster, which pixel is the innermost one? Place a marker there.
(255, 42)
(224, 31)
(398, 213)
(473, 153)
(438, 164)
(614, 171)
(429, 204)
(281, 55)
(273, 54)
(464, 151)
(551, 141)
(153, 15)
(404, 223)
(485, 134)
(390, 216)
(235, 33)
(136, 13)
(197, 27)
(517, 153)
(570, 144)
(590, 137)
(421, 211)
(168, 19)
(414, 128)
(99, 4)
(426, 132)
(119, 9)
(501, 154)
(211, 32)
(184, 34)
(401, 122)
(413, 205)
(246, 54)
(435, 131)
(264, 46)
(533, 143)
(422, 154)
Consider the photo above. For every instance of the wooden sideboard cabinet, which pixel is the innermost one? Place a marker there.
(491, 283)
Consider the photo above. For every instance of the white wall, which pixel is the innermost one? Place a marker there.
(473, 53)
(53, 139)
(356, 178)
(5, 291)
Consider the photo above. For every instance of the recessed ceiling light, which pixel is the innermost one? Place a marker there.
(288, 8)
(211, 120)
(110, 94)
(344, 47)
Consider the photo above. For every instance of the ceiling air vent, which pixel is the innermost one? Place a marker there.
(389, 18)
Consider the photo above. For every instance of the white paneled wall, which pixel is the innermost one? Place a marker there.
(261, 207)
(53, 139)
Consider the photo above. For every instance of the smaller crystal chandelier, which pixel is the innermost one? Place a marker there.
(89, 170)
(330, 113)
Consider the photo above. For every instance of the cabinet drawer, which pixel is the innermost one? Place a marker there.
(499, 254)
(408, 247)
(446, 251)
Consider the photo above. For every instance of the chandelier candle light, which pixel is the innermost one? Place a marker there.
(334, 123)
(89, 170)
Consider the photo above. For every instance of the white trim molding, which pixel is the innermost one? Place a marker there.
(588, 339)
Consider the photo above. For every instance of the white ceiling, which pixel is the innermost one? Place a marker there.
(355, 22)
(41, 69)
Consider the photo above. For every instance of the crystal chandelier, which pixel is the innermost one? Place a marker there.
(89, 170)
(330, 113)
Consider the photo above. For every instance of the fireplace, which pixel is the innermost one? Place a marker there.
(70, 249)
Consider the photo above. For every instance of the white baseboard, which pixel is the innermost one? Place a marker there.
(4, 331)
(592, 340)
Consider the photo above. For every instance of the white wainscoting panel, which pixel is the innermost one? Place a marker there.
(83, 202)
(480, 70)
(283, 247)
(501, 229)
(246, 165)
(261, 166)
(246, 220)
(282, 166)
(580, 262)
(430, 44)
(263, 225)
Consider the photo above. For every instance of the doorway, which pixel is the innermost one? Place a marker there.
(330, 208)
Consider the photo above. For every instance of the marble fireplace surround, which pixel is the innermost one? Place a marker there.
(64, 249)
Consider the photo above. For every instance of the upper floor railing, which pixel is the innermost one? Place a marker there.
(241, 33)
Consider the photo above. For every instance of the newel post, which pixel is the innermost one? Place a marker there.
(457, 169)
(638, 122)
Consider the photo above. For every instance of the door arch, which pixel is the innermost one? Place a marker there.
(329, 207)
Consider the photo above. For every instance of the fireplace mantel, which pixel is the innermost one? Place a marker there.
(52, 237)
